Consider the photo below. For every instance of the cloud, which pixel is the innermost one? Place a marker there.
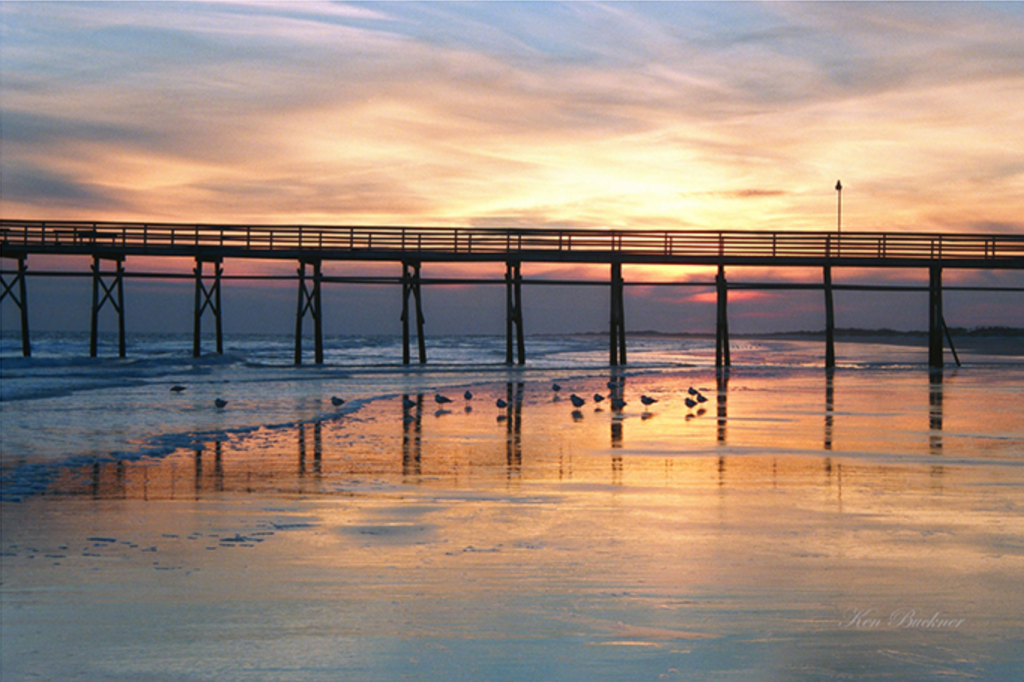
(35, 187)
(713, 116)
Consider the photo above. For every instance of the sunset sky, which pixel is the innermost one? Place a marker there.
(711, 116)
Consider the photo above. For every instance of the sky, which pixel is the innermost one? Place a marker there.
(617, 115)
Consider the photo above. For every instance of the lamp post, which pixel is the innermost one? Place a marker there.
(839, 217)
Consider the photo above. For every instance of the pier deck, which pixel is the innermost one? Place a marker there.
(386, 243)
(311, 245)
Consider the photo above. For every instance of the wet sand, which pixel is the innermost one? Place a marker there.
(795, 527)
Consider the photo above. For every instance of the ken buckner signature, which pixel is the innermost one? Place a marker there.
(898, 619)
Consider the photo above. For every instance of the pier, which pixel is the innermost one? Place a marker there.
(111, 244)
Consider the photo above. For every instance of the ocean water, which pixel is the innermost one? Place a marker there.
(794, 524)
(60, 405)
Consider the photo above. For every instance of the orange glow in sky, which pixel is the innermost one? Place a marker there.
(681, 115)
(646, 115)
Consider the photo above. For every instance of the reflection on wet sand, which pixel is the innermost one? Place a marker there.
(318, 447)
(218, 467)
(519, 531)
(722, 393)
(530, 430)
(412, 434)
(513, 419)
(830, 399)
(935, 412)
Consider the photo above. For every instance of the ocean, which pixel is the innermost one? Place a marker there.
(469, 520)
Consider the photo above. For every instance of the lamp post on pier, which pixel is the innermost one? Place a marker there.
(839, 210)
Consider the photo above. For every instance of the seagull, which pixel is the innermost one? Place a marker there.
(178, 388)
(220, 402)
(467, 395)
(501, 403)
(441, 400)
(701, 398)
(648, 400)
(691, 403)
(556, 387)
(598, 397)
(408, 403)
(576, 400)
(336, 401)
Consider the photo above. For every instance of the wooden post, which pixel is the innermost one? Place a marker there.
(935, 359)
(723, 358)
(514, 311)
(309, 301)
(20, 299)
(411, 286)
(207, 298)
(830, 322)
(114, 293)
(617, 326)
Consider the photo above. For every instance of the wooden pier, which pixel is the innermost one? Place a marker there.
(310, 246)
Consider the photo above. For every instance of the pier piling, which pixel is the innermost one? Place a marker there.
(310, 302)
(935, 322)
(20, 298)
(830, 321)
(207, 299)
(617, 327)
(112, 293)
(514, 312)
(411, 286)
(723, 357)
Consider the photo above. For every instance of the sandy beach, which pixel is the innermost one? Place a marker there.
(794, 527)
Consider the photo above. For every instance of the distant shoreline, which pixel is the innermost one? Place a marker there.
(981, 340)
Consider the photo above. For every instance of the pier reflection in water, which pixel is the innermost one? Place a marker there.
(517, 431)
(412, 435)
(629, 535)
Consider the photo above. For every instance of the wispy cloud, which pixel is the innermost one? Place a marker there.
(707, 115)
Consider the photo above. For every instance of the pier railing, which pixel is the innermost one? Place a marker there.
(598, 245)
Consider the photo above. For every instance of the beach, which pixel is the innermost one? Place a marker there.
(797, 524)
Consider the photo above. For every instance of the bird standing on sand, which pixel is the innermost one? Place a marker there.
(691, 390)
(336, 401)
(691, 403)
(501, 403)
(648, 400)
(408, 403)
(220, 402)
(576, 400)
(598, 397)
(556, 388)
(441, 399)
(701, 398)
(178, 388)
(467, 395)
